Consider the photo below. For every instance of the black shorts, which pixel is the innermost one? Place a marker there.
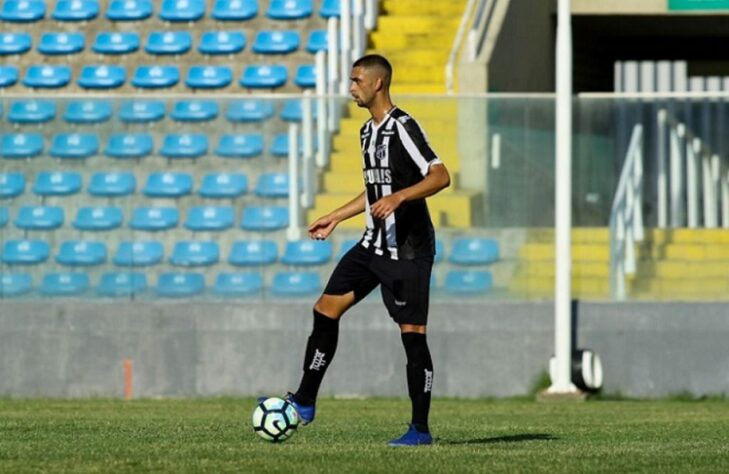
(405, 284)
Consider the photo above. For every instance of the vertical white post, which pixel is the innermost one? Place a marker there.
(322, 155)
(496, 151)
(358, 30)
(677, 150)
(710, 170)
(309, 175)
(294, 230)
(637, 210)
(662, 178)
(725, 199)
(333, 55)
(562, 382)
(371, 11)
(693, 148)
(346, 43)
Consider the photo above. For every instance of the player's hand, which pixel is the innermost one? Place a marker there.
(322, 227)
(385, 206)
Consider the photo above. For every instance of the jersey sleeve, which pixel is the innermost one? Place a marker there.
(416, 144)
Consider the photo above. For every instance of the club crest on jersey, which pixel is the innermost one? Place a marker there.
(381, 152)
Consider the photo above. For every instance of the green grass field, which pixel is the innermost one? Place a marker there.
(350, 436)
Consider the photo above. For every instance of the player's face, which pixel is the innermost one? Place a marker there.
(363, 86)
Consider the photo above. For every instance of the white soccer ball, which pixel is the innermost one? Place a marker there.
(275, 420)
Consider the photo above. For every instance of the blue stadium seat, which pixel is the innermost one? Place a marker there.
(168, 184)
(222, 185)
(180, 285)
(307, 252)
(47, 76)
(74, 145)
(25, 252)
(245, 253)
(331, 8)
(280, 145)
(188, 253)
(292, 111)
(240, 146)
(235, 10)
(222, 42)
(142, 253)
(65, 284)
(81, 253)
(32, 111)
(439, 251)
(209, 77)
(8, 75)
(156, 77)
(238, 284)
(102, 77)
(317, 41)
(184, 146)
(209, 218)
(4, 216)
(346, 246)
(276, 42)
(129, 10)
(39, 218)
(15, 43)
(115, 284)
(182, 10)
(142, 111)
(296, 284)
(305, 76)
(21, 145)
(57, 183)
(272, 185)
(61, 43)
(289, 9)
(98, 218)
(76, 10)
(168, 42)
(87, 112)
(264, 77)
(21, 11)
(265, 218)
(12, 184)
(129, 145)
(250, 110)
(154, 218)
(474, 251)
(194, 110)
(108, 42)
(15, 284)
(114, 184)
(468, 282)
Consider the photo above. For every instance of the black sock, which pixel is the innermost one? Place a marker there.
(420, 377)
(319, 354)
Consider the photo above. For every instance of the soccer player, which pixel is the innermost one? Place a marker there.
(397, 248)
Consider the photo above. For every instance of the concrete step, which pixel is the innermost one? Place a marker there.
(450, 8)
(417, 23)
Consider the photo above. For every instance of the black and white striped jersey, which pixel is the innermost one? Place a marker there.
(396, 155)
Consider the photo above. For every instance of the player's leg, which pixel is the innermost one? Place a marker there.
(419, 374)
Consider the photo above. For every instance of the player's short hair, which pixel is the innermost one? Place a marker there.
(376, 61)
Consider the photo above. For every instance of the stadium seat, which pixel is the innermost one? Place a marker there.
(474, 251)
(235, 10)
(184, 146)
(264, 77)
(289, 9)
(168, 184)
(129, 10)
(141, 253)
(47, 76)
(15, 43)
(142, 111)
(307, 252)
(245, 253)
(12, 184)
(223, 185)
(115, 284)
(190, 253)
(61, 43)
(209, 218)
(292, 111)
(74, 145)
(25, 252)
(57, 183)
(305, 76)
(209, 77)
(87, 112)
(156, 77)
(129, 145)
(168, 42)
(346, 246)
(439, 251)
(22, 11)
(15, 284)
(280, 145)
(39, 218)
(182, 10)
(4, 216)
(249, 110)
(65, 284)
(108, 42)
(102, 77)
(238, 284)
(8, 76)
(81, 253)
(240, 146)
(115, 184)
(276, 42)
(266, 218)
(32, 111)
(317, 41)
(331, 8)
(295, 284)
(76, 10)
(222, 42)
(468, 282)
(180, 285)
(21, 145)
(154, 218)
(272, 185)
(194, 110)
(98, 218)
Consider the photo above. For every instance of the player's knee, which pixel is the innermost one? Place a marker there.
(332, 306)
(416, 328)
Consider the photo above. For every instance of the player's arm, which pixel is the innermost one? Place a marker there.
(437, 179)
(323, 226)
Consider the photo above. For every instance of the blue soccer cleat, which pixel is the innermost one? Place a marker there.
(306, 412)
(412, 437)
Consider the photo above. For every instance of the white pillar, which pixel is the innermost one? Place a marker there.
(662, 165)
(346, 44)
(294, 230)
(322, 154)
(308, 171)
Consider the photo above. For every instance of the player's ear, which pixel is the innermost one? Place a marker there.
(379, 84)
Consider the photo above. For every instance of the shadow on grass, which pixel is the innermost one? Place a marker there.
(502, 439)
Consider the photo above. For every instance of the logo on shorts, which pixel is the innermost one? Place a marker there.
(401, 303)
